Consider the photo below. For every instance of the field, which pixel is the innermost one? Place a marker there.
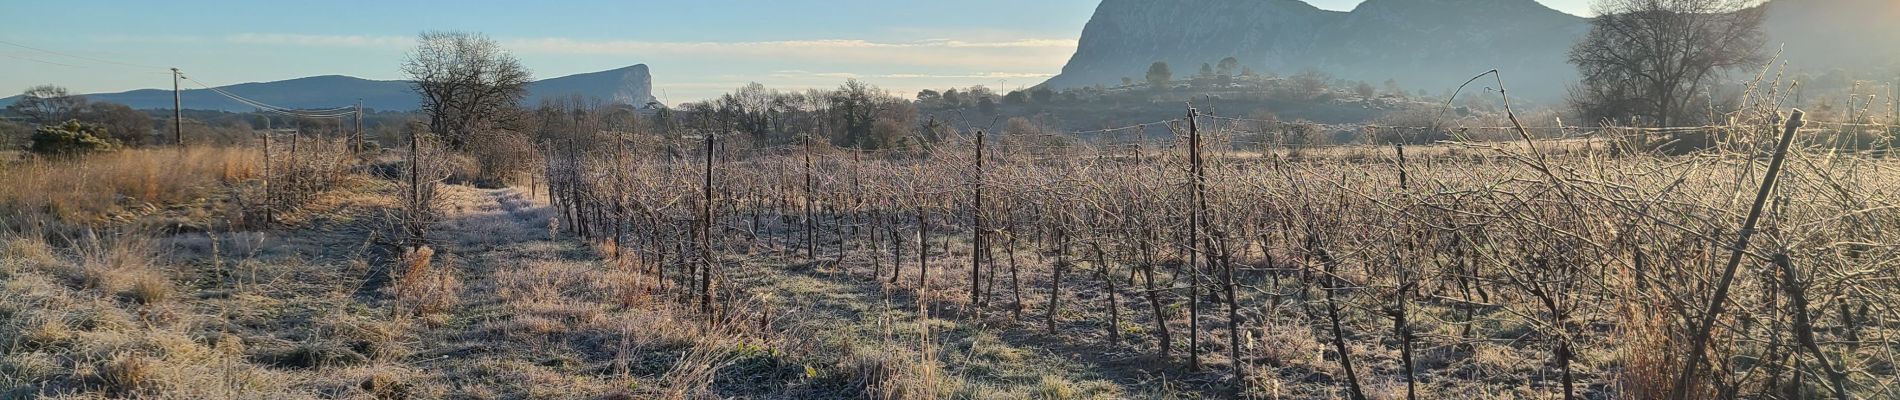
(1025, 267)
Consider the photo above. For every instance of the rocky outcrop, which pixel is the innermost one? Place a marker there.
(1428, 44)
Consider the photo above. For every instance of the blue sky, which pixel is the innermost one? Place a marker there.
(697, 49)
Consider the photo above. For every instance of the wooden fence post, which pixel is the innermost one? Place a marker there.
(705, 236)
(976, 233)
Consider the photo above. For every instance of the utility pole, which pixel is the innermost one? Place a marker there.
(178, 126)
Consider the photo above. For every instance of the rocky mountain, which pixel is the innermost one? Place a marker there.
(1433, 44)
(1124, 36)
(1423, 44)
(629, 85)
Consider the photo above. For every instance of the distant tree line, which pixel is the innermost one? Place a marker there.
(1309, 93)
(855, 115)
(50, 119)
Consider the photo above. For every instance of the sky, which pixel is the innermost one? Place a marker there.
(695, 49)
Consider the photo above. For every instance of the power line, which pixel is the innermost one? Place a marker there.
(40, 61)
(266, 107)
(79, 56)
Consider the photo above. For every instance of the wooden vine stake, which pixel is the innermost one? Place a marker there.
(1700, 340)
(705, 236)
(976, 233)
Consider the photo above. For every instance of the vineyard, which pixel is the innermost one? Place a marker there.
(1473, 269)
(1689, 200)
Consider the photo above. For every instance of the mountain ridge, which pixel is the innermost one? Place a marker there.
(627, 85)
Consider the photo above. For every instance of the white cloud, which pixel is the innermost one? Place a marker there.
(565, 45)
(985, 75)
(285, 39)
(1029, 53)
(1023, 53)
(1024, 43)
(852, 75)
(793, 74)
(147, 39)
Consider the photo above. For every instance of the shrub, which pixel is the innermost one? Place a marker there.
(1300, 135)
(120, 123)
(72, 137)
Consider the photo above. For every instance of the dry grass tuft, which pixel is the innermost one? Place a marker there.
(1054, 387)
(148, 288)
(129, 375)
(383, 385)
(28, 252)
(25, 367)
(901, 373)
(43, 331)
(1290, 345)
(381, 340)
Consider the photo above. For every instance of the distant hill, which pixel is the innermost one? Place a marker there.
(1424, 43)
(1822, 35)
(629, 85)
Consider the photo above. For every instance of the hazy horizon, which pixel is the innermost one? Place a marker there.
(695, 51)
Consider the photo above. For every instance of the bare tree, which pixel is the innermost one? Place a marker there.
(1651, 58)
(467, 83)
(47, 104)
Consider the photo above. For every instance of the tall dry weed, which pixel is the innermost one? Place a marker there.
(422, 288)
(92, 188)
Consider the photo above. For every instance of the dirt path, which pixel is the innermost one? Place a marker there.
(482, 346)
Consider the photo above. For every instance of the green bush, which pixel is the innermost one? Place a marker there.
(71, 137)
